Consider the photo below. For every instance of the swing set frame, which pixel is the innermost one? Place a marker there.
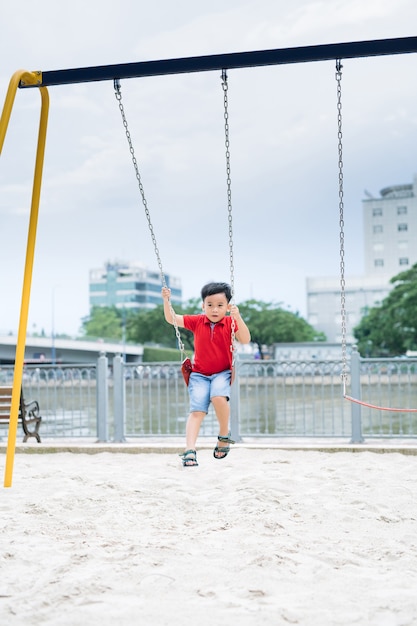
(23, 79)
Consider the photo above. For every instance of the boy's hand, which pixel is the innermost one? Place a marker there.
(234, 311)
(166, 293)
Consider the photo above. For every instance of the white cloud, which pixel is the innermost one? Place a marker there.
(283, 144)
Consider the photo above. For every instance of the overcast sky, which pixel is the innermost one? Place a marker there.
(283, 143)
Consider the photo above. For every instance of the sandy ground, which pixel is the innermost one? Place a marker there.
(262, 537)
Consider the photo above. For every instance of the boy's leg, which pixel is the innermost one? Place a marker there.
(220, 393)
(199, 390)
(222, 410)
(193, 428)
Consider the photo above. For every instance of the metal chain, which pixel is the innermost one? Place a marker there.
(118, 94)
(229, 202)
(228, 177)
(341, 220)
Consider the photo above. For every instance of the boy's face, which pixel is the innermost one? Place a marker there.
(215, 307)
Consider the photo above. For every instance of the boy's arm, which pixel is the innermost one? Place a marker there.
(168, 310)
(243, 332)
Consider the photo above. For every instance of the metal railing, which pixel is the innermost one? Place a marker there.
(114, 401)
(295, 399)
(66, 396)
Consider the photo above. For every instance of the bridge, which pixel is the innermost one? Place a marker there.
(53, 350)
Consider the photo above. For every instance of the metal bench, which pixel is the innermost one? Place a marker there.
(28, 413)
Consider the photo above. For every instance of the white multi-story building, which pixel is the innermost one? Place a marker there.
(390, 230)
(390, 242)
(130, 286)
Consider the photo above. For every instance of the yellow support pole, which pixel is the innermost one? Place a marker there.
(28, 78)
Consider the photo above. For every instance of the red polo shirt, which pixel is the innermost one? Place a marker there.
(212, 343)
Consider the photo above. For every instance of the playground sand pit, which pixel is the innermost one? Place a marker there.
(262, 537)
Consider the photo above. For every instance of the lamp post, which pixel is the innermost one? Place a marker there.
(124, 331)
(53, 349)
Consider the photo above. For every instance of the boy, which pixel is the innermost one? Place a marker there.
(211, 375)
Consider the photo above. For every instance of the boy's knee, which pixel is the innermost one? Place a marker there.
(219, 399)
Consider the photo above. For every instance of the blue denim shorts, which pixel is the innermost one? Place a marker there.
(203, 388)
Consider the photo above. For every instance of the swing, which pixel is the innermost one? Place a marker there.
(186, 365)
(344, 375)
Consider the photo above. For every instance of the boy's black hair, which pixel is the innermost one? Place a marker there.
(212, 289)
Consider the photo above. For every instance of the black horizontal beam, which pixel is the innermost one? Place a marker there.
(282, 56)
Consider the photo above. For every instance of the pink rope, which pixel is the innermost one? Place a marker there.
(380, 408)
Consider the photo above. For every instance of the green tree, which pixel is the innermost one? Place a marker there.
(390, 329)
(103, 322)
(151, 327)
(269, 323)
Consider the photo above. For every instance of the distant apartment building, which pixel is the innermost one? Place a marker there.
(390, 247)
(324, 302)
(130, 286)
(390, 230)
